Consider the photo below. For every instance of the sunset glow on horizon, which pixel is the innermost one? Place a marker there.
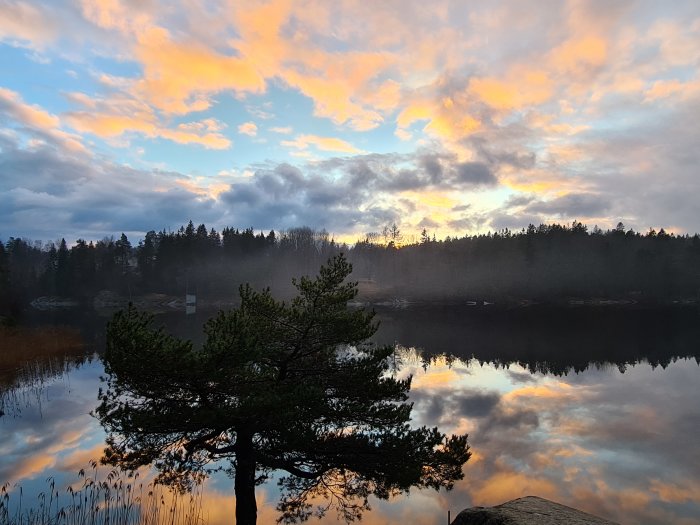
(453, 117)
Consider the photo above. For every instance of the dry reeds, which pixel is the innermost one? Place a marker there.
(29, 358)
(22, 345)
(118, 499)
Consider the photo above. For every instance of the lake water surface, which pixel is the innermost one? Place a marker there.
(594, 408)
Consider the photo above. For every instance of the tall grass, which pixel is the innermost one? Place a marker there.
(118, 499)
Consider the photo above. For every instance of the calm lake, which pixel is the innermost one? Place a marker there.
(594, 407)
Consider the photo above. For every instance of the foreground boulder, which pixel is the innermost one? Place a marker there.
(529, 510)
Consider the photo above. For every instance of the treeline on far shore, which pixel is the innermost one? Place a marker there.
(546, 263)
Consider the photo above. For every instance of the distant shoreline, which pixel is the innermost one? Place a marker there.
(157, 303)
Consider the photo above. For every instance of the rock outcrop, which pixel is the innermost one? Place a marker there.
(529, 510)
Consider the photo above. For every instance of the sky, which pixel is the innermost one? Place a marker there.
(457, 117)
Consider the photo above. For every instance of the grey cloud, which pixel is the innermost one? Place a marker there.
(427, 222)
(500, 220)
(477, 403)
(572, 205)
(242, 193)
(286, 183)
(376, 217)
(361, 175)
(434, 411)
(506, 149)
(474, 173)
(290, 173)
(272, 185)
(515, 201)
(40, 169)
(521, 210)
(408, 205)
(447, 408)
(524, 160)
(521, 377)
(327, 195)
(403, 180)
(662, 191)
(422, 170)
(46, 194)
(511, 421)
(461, 224)
(467, 222)
(432, 166)
(283, 196)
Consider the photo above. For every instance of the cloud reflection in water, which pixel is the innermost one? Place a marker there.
(620, 445)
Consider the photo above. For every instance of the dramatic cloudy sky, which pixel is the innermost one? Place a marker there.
(457, 117)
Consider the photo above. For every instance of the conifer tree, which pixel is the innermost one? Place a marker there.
(291, 387)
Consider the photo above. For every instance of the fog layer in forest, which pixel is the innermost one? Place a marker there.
(549, 263)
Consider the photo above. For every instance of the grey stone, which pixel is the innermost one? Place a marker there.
(529, 510)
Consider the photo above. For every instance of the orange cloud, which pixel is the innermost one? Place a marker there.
(435, 378)
(548, 180)
(31, 466)
(81, 458)
(70, 141)
(675, 493)
(557, 390)
(522, 87)
(414, 112)
(115, 14)
(205, 132)
(547, 124)
(625, 83)
(431, 198)
(578, 55)
(452, 126)
(505, 486)
(204, 186)
(495, 93)
(342, 85)
(663, 89)
(180, 76)
(445, 121)
(302, 142)
(248, 128)
(386, 97)
(25, 22)
(31, 115)
(403, 134)
(332, 98)
(259, 26)
(184, 134)
(110, 125)
(678, 43)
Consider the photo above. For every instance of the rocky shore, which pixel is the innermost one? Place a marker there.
(529, 510)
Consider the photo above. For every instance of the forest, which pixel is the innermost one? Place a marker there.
(547, 263)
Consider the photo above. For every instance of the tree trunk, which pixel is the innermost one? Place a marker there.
(246, 508)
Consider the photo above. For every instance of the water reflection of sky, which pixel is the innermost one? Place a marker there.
(620, 445)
